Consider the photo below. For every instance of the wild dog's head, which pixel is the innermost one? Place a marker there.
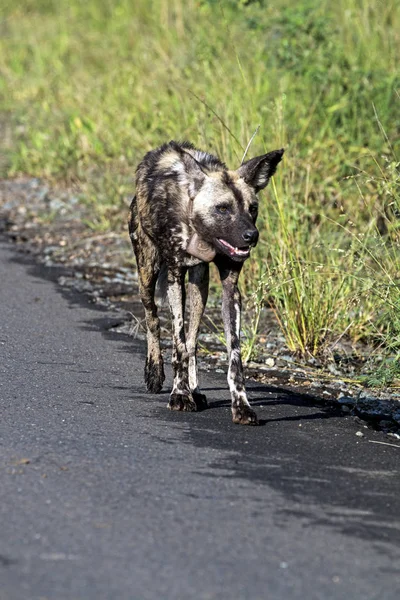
(225, 204)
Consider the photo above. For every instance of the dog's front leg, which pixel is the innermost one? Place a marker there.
(231, 311)
(181, 398)
(198, 293)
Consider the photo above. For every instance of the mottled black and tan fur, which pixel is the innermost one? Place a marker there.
(181, 191)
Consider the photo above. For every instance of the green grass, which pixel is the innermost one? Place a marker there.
(86, 88)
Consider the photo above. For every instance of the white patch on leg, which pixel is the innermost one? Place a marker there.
(237, 396)
(175, 300)
(193, 380)
(179, 351)
(237, 320)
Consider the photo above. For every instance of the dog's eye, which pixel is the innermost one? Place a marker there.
(253, 209)
(223, 209)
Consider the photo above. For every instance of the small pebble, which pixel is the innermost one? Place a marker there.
(359, 434)
(315, 384)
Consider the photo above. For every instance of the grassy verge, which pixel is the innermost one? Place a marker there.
(87, 88)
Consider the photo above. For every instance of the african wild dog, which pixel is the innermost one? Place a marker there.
(190, 209)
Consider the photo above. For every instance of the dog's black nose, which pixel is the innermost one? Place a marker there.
(250, 236)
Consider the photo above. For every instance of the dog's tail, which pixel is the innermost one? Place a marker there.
(162, 284)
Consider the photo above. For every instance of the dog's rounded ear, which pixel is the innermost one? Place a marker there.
(190, 172)
(192, 167)
(257, 171)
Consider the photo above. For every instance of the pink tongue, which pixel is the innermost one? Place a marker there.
(232, 250)
(224, 243)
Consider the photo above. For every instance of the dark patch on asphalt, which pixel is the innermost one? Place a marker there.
(6, 561)
(320, 462)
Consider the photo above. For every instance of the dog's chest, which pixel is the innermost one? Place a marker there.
(179, 236)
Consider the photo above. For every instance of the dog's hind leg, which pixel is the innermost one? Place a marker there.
(154, 368)
(198, 293)
(231, 311)
(148, 264)
(181, 397)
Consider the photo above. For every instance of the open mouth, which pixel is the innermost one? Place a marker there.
(238, 253)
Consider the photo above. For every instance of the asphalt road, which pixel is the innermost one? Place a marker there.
(105, 494)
